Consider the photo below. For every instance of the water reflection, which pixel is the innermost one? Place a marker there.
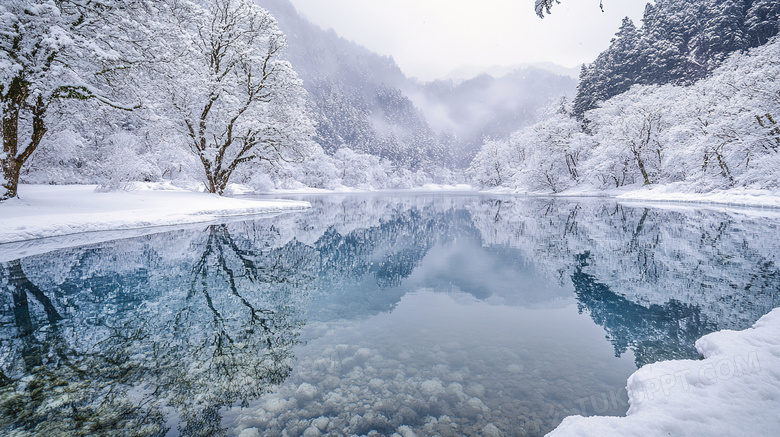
(161, 334)
(131, 332)
(656, 279)
(652, 332)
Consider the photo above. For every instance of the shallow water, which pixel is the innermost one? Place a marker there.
(375, 314)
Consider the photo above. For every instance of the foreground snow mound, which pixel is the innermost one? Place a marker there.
(735, 390)
(48, 211)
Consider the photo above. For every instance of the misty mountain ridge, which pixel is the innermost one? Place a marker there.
(363, 101)
(489, 107)
(466, 72)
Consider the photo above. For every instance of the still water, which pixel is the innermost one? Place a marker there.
(373, 315)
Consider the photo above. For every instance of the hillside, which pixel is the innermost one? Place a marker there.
(679, 42)
(363, 101)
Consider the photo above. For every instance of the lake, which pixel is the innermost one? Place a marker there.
(375, 314)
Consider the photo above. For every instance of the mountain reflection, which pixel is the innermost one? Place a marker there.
(157, 334)
(653, 333)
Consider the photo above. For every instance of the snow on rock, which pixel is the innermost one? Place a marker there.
(735, 390)
(48, 211)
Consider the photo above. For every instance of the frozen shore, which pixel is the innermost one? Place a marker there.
(743, 197)
(734, 390)
(43, 211)
(735, 196)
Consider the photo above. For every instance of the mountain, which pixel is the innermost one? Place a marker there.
(364, 101)
(489, 107)
(356, 95)
(467, 72)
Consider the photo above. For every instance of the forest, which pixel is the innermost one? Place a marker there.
(690, 99)
(210, 95)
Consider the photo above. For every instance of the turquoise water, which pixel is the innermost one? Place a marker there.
(374, 315)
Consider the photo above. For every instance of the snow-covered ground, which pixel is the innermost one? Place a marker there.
(43, 211)
(735, 196)
(757, 198)
(735, 390)
(237, 189)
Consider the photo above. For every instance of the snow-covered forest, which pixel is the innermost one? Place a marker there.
(690, 99)
(113, 92)
(217, 95)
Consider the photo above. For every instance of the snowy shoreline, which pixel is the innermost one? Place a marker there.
(750, 198)
(44, 211)
(734, 390)
(57, 216)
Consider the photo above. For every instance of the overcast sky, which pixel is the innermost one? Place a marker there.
(431, 38)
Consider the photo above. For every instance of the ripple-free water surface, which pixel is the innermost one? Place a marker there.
(374, 314)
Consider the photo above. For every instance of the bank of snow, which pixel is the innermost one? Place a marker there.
(735, 390)
(676, 193)
(342, 189)
(43, 211)
(734, 196)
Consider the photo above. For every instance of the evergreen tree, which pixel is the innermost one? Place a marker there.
(722, 31)
(762, 22)
(680, 42)
(613, 72)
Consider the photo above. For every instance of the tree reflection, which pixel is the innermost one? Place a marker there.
(247, 346)
(655, 279)
(217, 333)
(653, 333)
(160, 333)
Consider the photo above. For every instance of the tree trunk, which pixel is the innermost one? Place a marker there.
(642, 170)
(12, 104)
(10, 181)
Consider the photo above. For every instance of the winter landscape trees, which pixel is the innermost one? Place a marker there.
(210, 100)
(52, 53)
(211, 69)
(698, 116)
(233, 97)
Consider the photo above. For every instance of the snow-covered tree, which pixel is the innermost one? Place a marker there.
(545, 6)
(629, 130)
(493, 165)
(232, 97)
(556, 149)
(52, 53)
(543, 157)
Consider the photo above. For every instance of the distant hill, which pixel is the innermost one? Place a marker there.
(489, 107)
(467, 72)
(363, 100)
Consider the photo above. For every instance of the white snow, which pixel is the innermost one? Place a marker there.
(735, 196)
(342, 189)
(43, 211)
(735, 390)
(667, 193)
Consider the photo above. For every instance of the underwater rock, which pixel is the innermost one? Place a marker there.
(306, 391)
(491, 430)
(432, 387)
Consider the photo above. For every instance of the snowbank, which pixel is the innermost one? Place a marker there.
(51, 211)
(675, 193)
(735, 196)
(341, 189)
(735, 390)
